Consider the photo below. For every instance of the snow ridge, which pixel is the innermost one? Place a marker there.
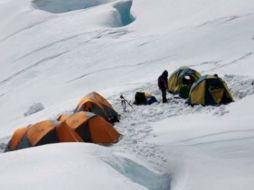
(140, 174)
(62, 6)
(123, 8)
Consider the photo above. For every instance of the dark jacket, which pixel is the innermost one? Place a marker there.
(163, 81)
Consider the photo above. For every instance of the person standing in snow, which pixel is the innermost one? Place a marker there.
(163, 85)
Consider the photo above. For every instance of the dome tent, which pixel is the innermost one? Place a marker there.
(91, 127)
(97, 104)
(210, 90)
(182, 77)
(44, 132)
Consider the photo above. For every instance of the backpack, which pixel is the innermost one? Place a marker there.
(140, 98)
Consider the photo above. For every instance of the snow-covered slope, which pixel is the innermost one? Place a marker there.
(64, 167)
(55, 51)
(209, 151)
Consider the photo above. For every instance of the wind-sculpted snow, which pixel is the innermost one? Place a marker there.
(123, 9)
(62, 6)
(75, 165)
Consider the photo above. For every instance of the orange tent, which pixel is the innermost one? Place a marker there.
(66, 134)
(97, 104)
(91, 128)
(44, 132)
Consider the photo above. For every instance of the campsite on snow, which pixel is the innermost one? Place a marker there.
(127, 94)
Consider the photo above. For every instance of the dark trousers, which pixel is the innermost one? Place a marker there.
(164, 95)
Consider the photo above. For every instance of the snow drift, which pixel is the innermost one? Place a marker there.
(64, 166)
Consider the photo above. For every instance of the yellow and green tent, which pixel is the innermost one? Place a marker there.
(176, 79)
(210, 90)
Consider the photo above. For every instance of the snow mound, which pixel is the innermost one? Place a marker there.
(62, 166)
(62, 6)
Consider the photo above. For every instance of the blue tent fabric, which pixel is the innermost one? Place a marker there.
(150, 100)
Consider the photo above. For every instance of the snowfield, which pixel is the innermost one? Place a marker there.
(53, 52)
